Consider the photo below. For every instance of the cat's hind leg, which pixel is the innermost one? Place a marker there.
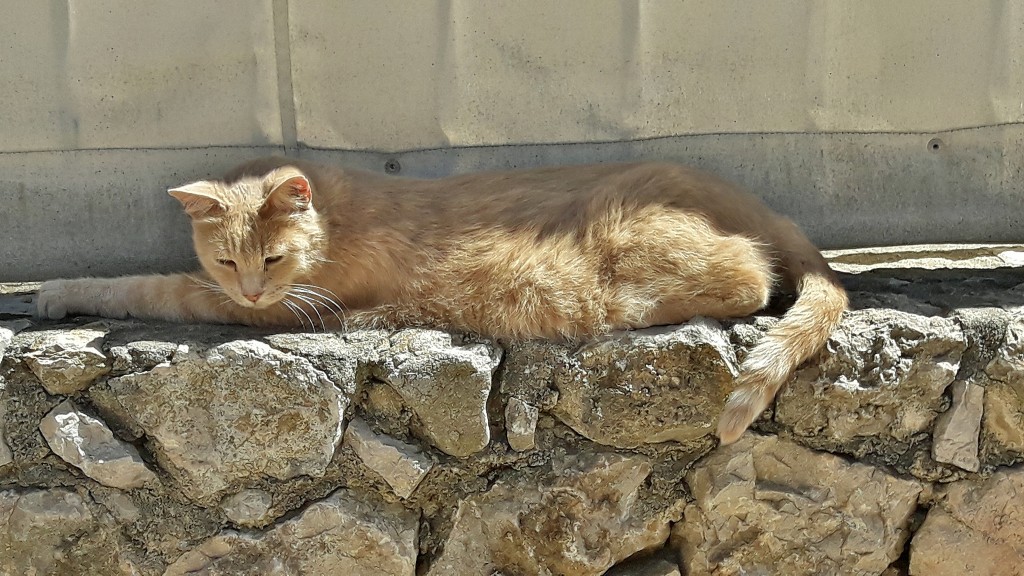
(704, 273)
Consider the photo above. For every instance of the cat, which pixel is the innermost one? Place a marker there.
(557, 253)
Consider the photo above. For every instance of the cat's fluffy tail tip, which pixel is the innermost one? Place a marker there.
(743, 407)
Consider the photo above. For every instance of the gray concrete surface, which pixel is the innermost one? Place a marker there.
(870, 123)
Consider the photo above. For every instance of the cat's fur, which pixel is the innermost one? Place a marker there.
(565, 252)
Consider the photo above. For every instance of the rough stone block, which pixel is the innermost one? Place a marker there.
(7, 332)
(882, 375)
(248, 508)
(403, 466)
(55, 532)
(640, 387)
(956, 431)
(1003, 418)
(765, 505)
(976, 527)
(446, 385)
(67, 361)
(88, 444)
(582, 521)
(342, 534)
(520, 424)
(239, 410)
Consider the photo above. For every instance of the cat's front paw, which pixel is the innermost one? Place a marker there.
(51, 300)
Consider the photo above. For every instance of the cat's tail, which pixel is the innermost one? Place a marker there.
(801, 332)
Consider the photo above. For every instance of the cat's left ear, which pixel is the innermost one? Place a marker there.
(290, 192)
(199, 199)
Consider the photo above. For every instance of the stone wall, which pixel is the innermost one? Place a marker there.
(134, 448)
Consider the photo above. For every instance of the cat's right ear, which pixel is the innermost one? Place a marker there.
(199, 199)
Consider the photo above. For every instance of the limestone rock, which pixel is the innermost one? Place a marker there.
(1008, 361)
(54, 532)
(67, 361)
(7, 332)
(342, 534)
(640, 387)
(1003, 419)
(401, 465)
(248, 508)
(343, 357)
(520, 424)
(446, 385)
(580, 519)
(119, 504)
(957, 430)
(977, 528)
(765, 505)
(236, 411)
(86, 443)
(6, 456)
(882, 374)
(142, 355)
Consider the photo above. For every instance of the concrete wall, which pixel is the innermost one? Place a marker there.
(870, 122)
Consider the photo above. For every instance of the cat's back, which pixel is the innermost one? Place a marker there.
(567, 197)
(555, 197)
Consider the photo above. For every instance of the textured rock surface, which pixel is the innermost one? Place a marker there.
(401, 465)
(977, 527)
(956, 430)
(7, 332)
(581, 521)
(55, 532)
(6, 456)
(67, 361)
(608, 445)
(248, 508)
(238, 411)
(342, 534)
(765, 505)
(882, 376)
(445, 385)
(671, 381)
(520, 424)
(1003, 418)
(88, 444)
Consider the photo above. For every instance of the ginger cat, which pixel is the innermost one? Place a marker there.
(566, 252)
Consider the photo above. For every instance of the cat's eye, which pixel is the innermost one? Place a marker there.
(228, 263)
(272, 259)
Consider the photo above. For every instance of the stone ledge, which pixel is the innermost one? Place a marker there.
(129, 447)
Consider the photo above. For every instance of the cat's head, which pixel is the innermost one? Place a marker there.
(256, 237)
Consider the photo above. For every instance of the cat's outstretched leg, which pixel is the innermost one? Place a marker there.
(175, 297)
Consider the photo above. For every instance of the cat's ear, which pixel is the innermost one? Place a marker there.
(290, 192)
(199, 199)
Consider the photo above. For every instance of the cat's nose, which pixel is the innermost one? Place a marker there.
(253, 297)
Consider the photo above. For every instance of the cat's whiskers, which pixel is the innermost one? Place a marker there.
(312, 304)
(291, 308)
(211, 288)
(308, 294)
(296, 310)
(319, 290)
(206, 283)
